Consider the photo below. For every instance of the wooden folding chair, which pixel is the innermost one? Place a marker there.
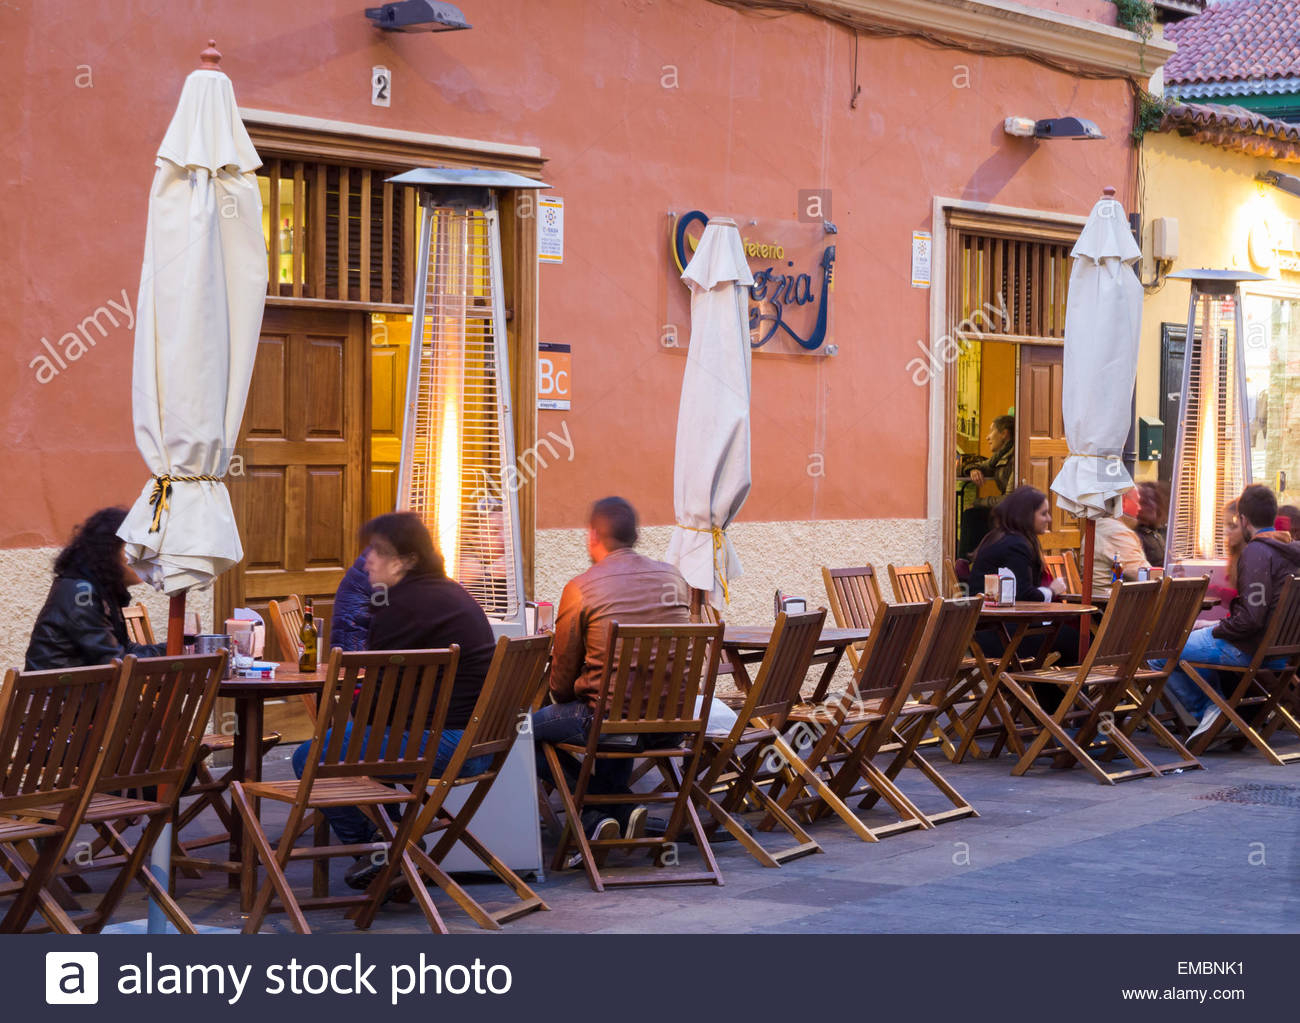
(208, 790)
(1054, 565)
(916, 705)
(843, 728)
(286, 620)
(854, 595)
(730, 780)
(913, 584)
(1093, 689)
(648, 691)
(374, 708)
(166, 703)
(1180, 603)
(952, 582)
(1073, 579)
(52, 730)
(1265, 687)
(513, 682)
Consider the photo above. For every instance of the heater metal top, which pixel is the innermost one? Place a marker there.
(474, 177)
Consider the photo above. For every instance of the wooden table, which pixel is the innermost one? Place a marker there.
(743, 645)
(250, 695)
(1015, 622)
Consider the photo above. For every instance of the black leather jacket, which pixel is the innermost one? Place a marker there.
(77, 627)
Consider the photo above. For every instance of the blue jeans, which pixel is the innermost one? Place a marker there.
(1203, 646)
(569, 722)
(351, 825)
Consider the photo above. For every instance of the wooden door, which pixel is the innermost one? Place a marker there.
(1041, 447)
(390, 347)
(298, 500)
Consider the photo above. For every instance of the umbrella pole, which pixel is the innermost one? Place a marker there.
(1089, 538)
(160, 856)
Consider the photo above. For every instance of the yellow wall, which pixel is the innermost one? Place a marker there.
(1213, 194)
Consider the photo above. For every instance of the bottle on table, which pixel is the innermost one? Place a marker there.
(1116, 570)
(310, 636)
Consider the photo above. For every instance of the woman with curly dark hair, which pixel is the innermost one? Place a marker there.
(81, 622)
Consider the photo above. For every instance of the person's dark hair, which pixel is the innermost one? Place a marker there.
(1292, 515)
(407, 535)
(1258, 506)
(1155, 495)
(614, 522)
(94, 553)
(1005, 424)
(1014, 516)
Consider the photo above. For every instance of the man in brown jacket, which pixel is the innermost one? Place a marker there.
(1266, 561)
(621, 586)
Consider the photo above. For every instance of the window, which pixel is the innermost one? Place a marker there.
(1272, 352)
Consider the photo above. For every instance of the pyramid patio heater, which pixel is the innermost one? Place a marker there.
(1212, 455)
(457, 469)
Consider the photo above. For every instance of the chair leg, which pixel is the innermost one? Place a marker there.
(275, 879)
(573, 830)
(1051, 728)
(1228, 711)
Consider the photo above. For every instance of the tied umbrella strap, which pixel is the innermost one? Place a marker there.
(719, 555)
(162, 491)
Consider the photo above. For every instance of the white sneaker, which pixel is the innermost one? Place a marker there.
(1211, 715)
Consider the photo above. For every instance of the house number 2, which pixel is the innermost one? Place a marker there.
(381, 83)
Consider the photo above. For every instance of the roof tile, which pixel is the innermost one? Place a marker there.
(1236, 40)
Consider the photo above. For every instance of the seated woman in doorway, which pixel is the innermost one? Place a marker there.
(416, 608)
(1019, 520)
(998, 468)
(81, 622)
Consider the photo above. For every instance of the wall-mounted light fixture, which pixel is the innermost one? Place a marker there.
(1288, 183)
(417, 16)
(1051, 128)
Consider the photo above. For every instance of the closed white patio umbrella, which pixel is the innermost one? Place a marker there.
(199, 312)
(198, 316)
(711, 473)
(1103, 325)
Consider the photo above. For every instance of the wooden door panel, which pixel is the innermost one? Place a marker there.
(299, 501)
(325, 388)
(1041, 447)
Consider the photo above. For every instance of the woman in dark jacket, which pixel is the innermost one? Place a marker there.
(81, 622)
(416, 607)
(1018, 521)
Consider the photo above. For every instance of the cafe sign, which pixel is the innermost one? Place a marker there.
(793, 268)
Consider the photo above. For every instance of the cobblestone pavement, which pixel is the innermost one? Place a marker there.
(1205, 851)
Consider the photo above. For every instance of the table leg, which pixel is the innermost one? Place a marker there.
(246, 757)
(834, 655)
(992, 699)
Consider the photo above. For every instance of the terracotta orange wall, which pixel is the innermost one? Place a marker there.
(760, 111)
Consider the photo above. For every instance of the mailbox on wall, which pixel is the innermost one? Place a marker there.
(1151, 439)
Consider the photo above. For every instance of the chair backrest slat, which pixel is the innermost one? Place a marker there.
(913, 584)
(513, 680)
(655, 673)
(166, 703)
(854, 595)
(1126, 626)
(52, 727)
(378, 697)
(286, 619)
(785, 665)
(888, 656)
(1072, 577)
(1180, 603)
(945, 645)
(138, 627)
(1282, 634)
(1054, 564)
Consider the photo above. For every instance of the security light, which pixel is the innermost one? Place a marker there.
(417, 16)
(1288, 183)
(1066, 128)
